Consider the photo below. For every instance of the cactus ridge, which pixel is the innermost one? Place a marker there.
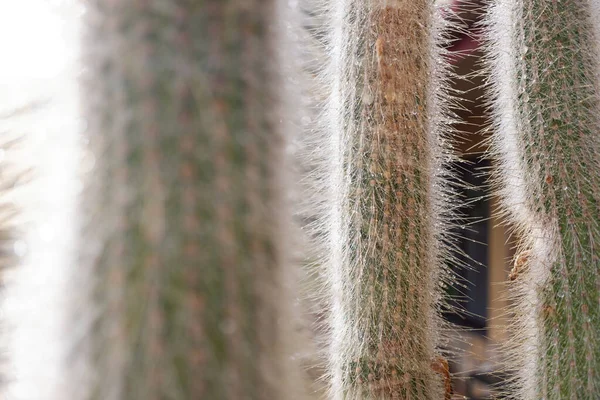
(544, 68)
(185, 208)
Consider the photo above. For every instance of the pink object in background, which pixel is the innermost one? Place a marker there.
(466, 39)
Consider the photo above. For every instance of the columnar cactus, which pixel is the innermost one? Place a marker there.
(545, 58)
(185, 235)
(387, 146)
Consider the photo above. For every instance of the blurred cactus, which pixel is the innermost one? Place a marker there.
(386, 130)
(544, 63)
(186, 235)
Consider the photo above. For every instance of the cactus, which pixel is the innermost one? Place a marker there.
(388, 146)
(544, 60)
(186, 236)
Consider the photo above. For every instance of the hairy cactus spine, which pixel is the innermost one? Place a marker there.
(544, 59)
(385, 268)
(185, 241)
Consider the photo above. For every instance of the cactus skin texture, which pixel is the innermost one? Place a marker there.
(385, 266)
(185, 235)
(544, 64)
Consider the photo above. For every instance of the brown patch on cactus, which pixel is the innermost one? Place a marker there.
(379, 53)
(547, 311)
(440, 365)
(519, 264)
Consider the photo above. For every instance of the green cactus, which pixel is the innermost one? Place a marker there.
(388, 146)
(544, 59)
(186, 231)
